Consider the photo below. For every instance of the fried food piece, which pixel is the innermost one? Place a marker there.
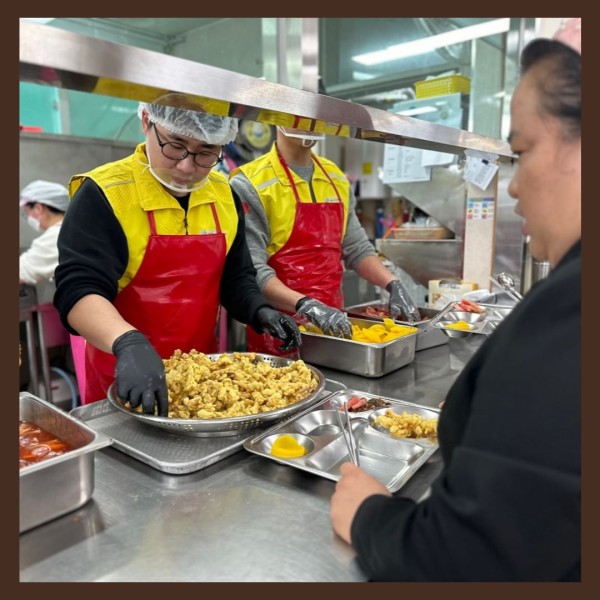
(407, 425)
(234, 385)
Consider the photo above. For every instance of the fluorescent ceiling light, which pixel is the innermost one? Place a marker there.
(428, 44)
(360, 76)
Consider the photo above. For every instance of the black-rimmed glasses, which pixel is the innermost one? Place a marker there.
(177, 151)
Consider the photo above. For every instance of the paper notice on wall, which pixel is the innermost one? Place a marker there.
(480, 209)
(479, 172)
(402, 165)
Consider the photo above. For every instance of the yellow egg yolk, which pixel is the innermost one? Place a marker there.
(286, 446)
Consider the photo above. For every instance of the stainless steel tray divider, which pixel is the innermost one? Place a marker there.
(391, 461)
(165, 451)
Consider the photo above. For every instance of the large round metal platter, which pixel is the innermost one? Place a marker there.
(225, 426)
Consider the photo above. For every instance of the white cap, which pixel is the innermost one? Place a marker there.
(45, 192)
(201, 126)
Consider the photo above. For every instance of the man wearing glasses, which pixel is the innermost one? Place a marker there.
(152, 245)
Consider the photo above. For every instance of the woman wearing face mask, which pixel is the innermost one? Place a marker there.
(150, 248)
(44, 204)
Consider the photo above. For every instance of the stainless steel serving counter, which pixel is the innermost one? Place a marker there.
(244, 519)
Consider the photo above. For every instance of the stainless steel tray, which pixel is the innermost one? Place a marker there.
(360, 358)
(224, 426)
(428, 336)
(162, 450)
(391, 461)
(57, 485)
(481, 323)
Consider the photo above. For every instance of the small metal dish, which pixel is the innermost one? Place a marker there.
(461, 315)
(453, 333)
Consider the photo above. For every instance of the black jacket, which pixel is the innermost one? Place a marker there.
(507, 505)
(93, 255)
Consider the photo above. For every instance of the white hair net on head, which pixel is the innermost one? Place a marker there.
(201, 126)
(45, 192)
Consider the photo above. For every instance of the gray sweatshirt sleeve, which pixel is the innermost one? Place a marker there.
(258, 232)
(355, 245)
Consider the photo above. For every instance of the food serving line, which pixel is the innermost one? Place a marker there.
(242, 518)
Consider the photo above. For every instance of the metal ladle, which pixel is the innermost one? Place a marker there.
(507, 283)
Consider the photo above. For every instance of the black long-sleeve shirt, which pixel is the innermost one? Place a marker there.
(93, 255)
(507, 505)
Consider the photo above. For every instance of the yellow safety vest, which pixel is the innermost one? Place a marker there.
(270, 181)
(132, 191)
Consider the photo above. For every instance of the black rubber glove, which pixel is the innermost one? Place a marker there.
(330, 320)
(140, 373)
(401, 303)
(279, 325)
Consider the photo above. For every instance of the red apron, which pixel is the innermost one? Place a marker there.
(310, 262)
(173, 300)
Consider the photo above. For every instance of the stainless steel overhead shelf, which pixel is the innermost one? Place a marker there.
(68, 60)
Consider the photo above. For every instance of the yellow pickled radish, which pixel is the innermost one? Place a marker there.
(286, 446)
(462, 325)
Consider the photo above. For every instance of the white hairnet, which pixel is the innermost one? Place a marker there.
(45, 192)
(201, 126)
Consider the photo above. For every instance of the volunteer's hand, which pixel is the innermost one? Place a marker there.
(330, 320)
(401, 303)
(140, 373)
(281, 326)
(351, 490)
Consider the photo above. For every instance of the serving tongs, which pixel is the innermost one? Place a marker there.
(433, 321)
(348, 435)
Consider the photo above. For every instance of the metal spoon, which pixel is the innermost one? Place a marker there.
(508, 283)
(512, 294)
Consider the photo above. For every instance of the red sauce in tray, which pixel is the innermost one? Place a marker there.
(37, 444)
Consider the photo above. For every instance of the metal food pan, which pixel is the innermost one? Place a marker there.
(224, 426)
(359, 358)
(392, 461)
(428, 336)
(57, 485)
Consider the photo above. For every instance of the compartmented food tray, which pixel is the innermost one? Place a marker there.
(60, 484)
(480, 323)
(427, 338)
(165, 451)
(359, 358)
(392, 461)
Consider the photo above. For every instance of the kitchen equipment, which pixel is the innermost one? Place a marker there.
(450, 319)
(360, 358)
(440, 315)
(427, 338)
(481, 323)
(60, 484)
(506, 282)
(224, 426)
(165, 451)
(346, 428)
(392, 461)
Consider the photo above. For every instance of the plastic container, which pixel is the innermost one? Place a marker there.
(443, 85)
